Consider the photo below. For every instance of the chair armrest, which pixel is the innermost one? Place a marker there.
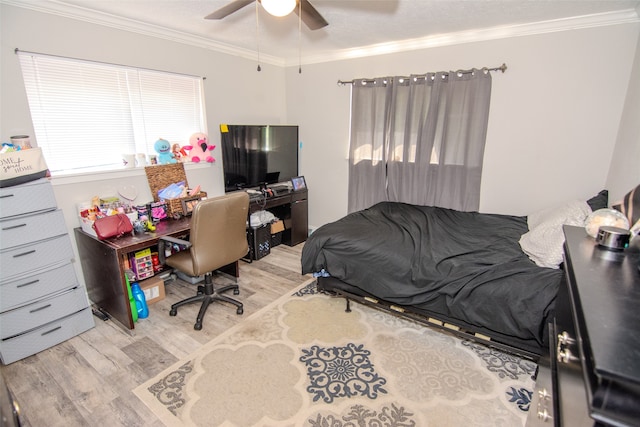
(168, 240)
(175, 240)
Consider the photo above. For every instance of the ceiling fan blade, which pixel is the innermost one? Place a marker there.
(310, 16)
(227, 10)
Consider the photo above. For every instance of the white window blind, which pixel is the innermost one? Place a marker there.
(86, 115)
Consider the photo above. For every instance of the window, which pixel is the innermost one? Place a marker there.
(86, 115)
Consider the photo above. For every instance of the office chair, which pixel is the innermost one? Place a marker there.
(217, 238)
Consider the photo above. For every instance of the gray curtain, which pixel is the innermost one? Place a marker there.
(419, 140)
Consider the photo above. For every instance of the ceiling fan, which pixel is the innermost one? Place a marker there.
(310, 16)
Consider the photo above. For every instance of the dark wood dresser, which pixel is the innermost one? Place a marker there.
(594, 362)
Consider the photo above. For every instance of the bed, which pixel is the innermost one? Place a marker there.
(464, 271)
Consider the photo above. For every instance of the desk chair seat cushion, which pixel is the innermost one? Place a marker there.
(183, 262)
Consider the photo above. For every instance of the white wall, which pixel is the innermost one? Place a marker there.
(553, 124)
(624, 172)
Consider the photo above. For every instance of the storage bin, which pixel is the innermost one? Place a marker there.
(276, 239)
(259, 240)
(277, 228)
(35, 196)
(20, 167)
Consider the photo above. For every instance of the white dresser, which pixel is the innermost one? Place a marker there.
(41, 302)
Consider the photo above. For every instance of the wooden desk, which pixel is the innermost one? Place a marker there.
(103, 265)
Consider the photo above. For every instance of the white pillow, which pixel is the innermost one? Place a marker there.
(544, 240)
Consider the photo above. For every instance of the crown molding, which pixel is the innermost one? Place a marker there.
(472, 36)
(54, 7)
(484, 34)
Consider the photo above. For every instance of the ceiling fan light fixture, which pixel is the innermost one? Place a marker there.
(279, 7)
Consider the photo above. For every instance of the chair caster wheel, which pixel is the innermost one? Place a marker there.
(197, 326)
(236, 291)
(240, 310)
(173, 312)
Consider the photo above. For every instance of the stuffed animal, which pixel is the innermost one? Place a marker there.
(179, 153)
(199, 148)
(163, 148)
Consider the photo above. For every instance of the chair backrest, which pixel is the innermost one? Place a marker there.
(218, 231)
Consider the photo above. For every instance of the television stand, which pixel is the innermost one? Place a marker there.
(280, 187)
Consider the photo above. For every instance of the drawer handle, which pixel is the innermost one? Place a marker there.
(565, 356)
(6, 195)
(13, 226)
(544, 415)
(33, 282)
(25, 253)
(544, 394)
(565, 338)
(35, 310)
(50, 331)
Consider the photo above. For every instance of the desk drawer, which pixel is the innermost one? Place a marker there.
(15, 322)
(30, 197)
(298, 195)
(25, 289)
(31, 228)
(16, 261)
(45, 336)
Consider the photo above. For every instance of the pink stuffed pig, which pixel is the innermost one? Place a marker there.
(199, 148)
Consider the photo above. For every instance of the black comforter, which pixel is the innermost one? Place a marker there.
(465, 265)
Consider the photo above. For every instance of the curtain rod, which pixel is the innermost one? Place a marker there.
(502, 68)
(17, 51)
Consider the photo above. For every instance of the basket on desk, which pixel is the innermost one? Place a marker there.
(161, 176)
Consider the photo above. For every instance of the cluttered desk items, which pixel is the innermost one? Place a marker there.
(111, 216)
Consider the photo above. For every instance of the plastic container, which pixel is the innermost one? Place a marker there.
(132, 302)
(141, 301)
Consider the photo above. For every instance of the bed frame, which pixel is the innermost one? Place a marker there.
(336, 288)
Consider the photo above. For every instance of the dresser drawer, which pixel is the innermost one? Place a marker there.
(30, 197)
(48, 335)
(19, 320)
(25, 289)
(31, 228)
(541, 408)
(16, 261)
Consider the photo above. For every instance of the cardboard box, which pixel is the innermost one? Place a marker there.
(153, 289)
(277, 227)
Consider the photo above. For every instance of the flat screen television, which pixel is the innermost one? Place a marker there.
(257, 155)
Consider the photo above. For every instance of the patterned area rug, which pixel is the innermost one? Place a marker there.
(304, 361)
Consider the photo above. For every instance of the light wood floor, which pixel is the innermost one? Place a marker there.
(87, 381)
